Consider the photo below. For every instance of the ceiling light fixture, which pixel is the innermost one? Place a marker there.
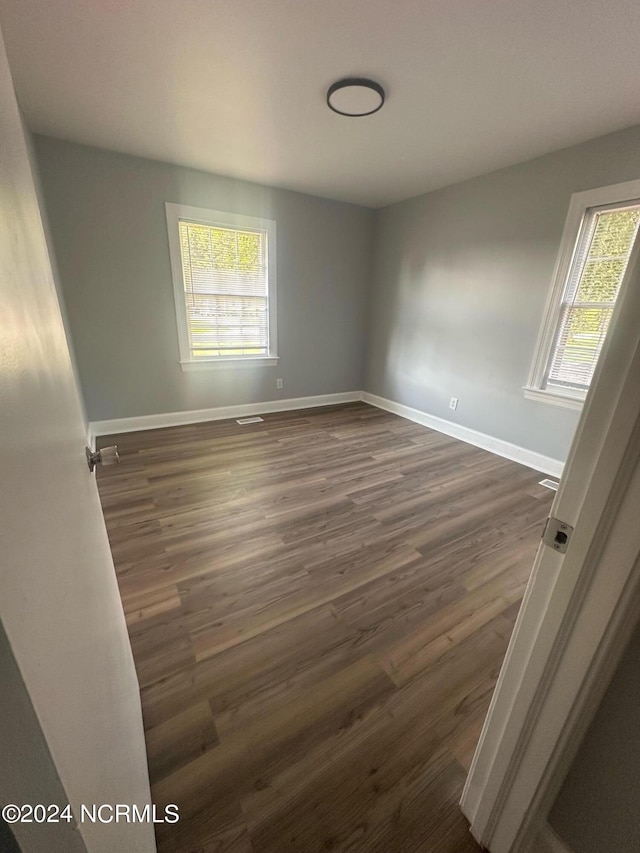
(355, 96)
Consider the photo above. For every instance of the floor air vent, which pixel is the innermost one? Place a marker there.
(243, 421)
(550, 484)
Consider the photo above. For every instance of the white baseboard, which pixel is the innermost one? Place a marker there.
(168, 419)
(471, 436)
(549, 842)
(480, 439)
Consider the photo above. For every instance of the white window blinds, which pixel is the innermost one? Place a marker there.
(593, 284)
(225, 274)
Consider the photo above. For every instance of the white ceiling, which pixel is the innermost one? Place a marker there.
(238, 86)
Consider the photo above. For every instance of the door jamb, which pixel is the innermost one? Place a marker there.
(536, 719)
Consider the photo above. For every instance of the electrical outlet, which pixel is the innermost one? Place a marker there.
(453, 403)
(279, 384)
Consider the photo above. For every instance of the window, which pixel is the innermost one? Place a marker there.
(587, 282)
(223, 267)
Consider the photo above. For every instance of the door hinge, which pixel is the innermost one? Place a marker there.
(557, 534)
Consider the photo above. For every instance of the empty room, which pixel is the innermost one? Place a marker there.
(320, 426)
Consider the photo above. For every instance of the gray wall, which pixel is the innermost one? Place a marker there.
(35, 172)
(444, 292)
(107, 218)
(461, 278)
(598, 808)
(28, 773)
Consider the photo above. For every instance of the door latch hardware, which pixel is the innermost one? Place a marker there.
(105, 456)
(557, 534)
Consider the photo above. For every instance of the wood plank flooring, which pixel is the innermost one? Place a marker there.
(318, 608)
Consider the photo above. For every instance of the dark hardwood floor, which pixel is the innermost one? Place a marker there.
(318, 607)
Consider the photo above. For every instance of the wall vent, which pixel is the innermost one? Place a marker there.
(550, 484)
(243, 421)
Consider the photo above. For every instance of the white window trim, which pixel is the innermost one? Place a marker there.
(580, 203)
(223, 219)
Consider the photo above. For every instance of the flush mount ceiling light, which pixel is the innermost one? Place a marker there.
(355, 96)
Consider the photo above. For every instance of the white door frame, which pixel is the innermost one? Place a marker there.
(578, 611)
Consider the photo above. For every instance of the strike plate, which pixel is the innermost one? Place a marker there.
(557, 534)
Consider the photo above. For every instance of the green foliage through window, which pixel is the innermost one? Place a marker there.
(593, 286)
(226, 290)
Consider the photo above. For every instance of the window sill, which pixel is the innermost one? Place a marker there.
(553, 398)
(222, 363)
